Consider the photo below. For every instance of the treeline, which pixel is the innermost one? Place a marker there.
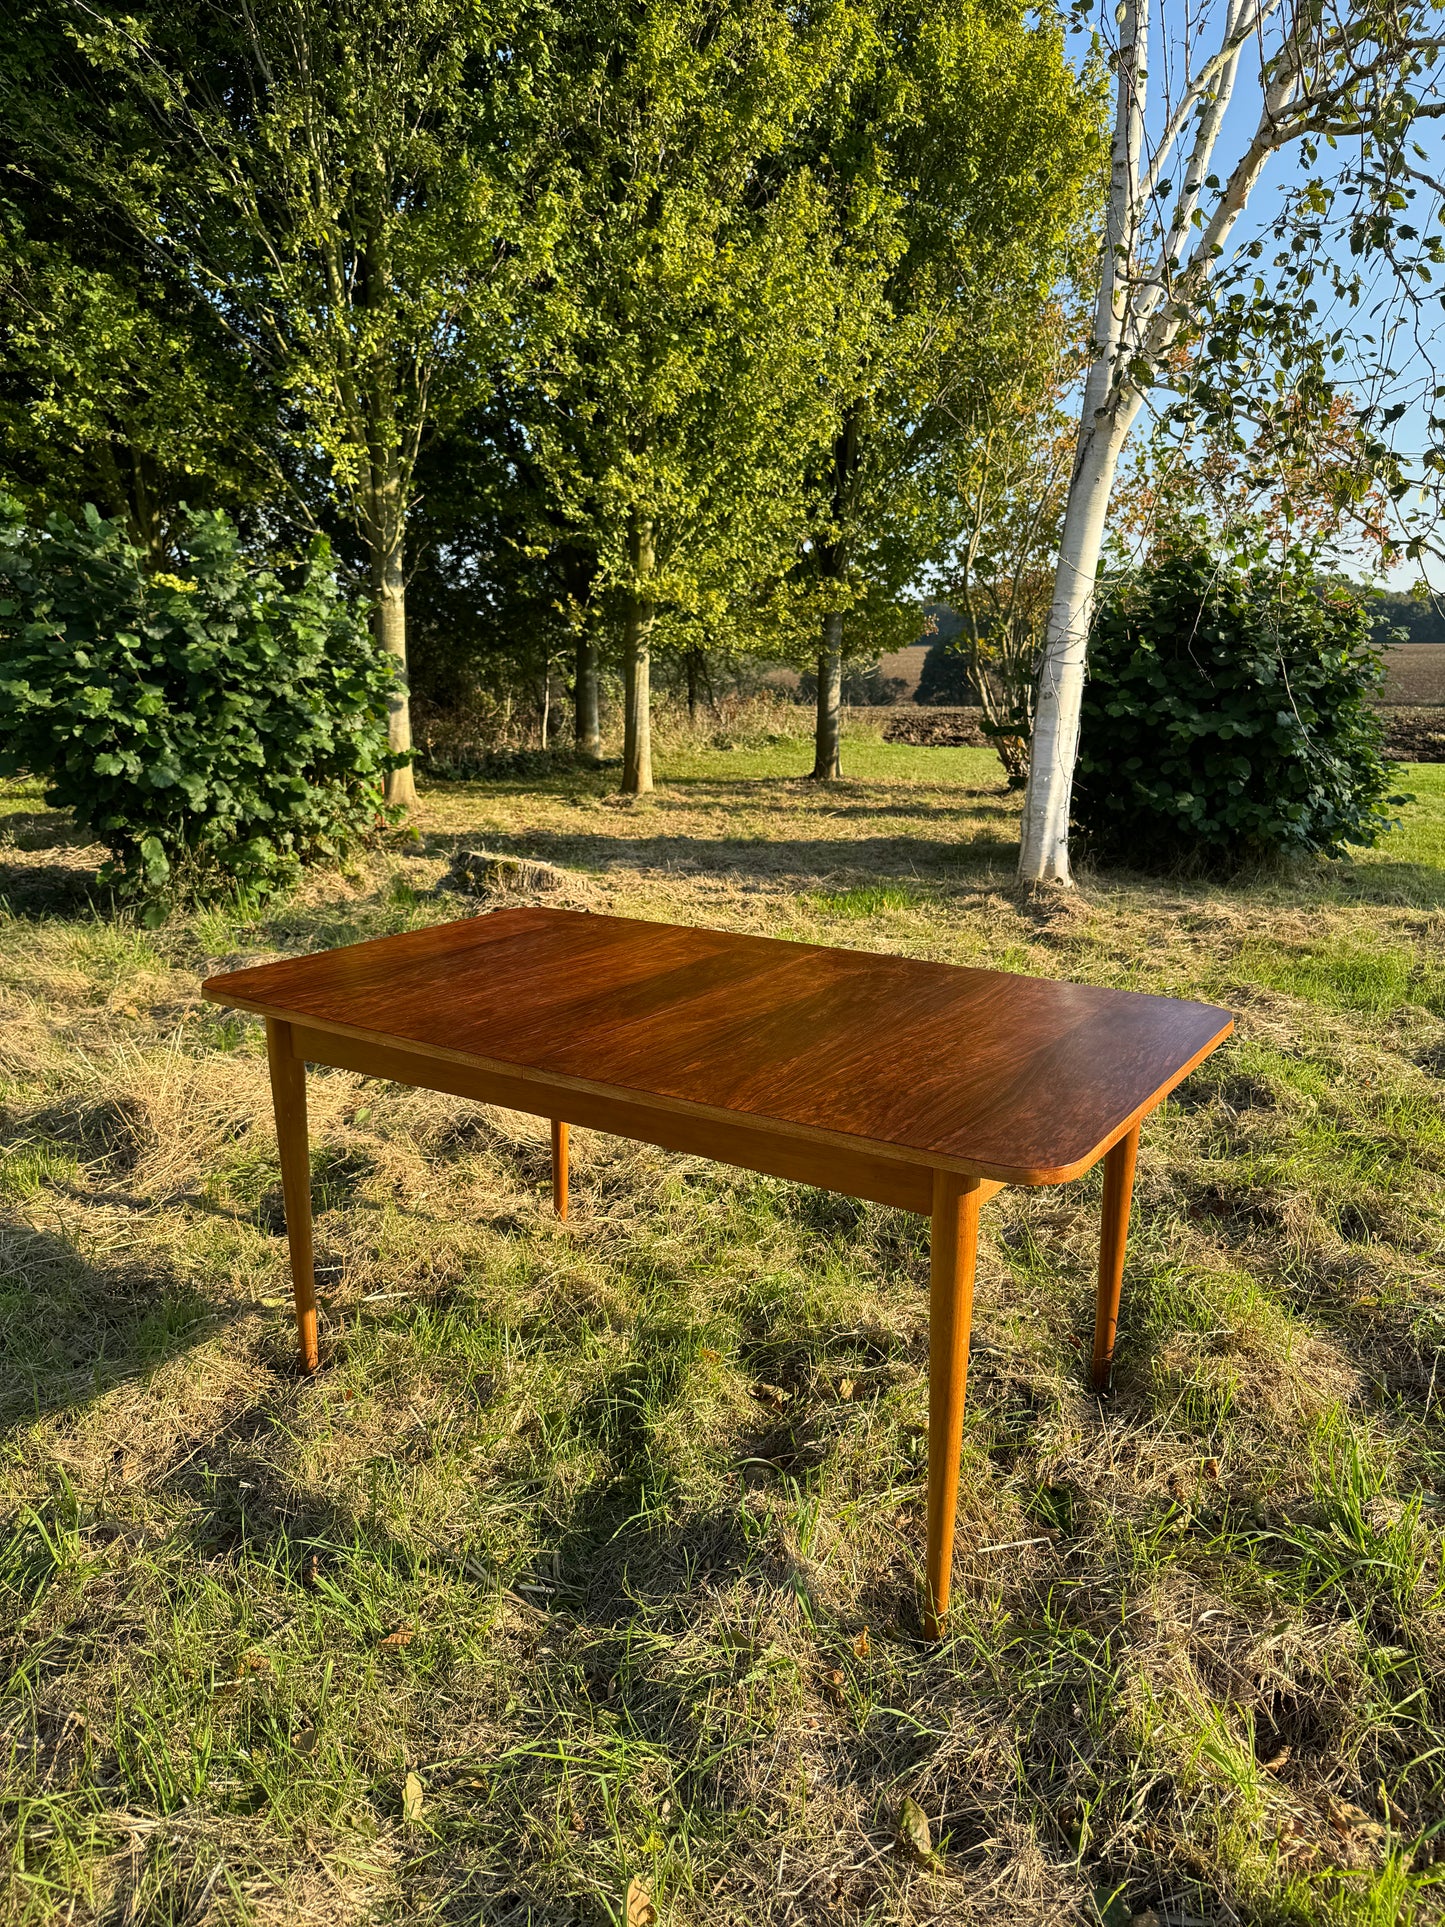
(583, 333)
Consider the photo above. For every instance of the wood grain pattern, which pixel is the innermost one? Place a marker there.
(288, 1096)
(1020, 1079)
(753, 1147)
(1113, 1238)
(950, 1318)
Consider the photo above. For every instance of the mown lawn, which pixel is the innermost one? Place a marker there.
(609, 1535)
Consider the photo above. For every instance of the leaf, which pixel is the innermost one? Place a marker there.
(638, 1910)
(846, 1387)
(412, 1799)
(860, 1644)
(398, 1637)
(913, 1832)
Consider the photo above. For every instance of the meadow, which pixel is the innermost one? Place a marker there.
(581, 1583)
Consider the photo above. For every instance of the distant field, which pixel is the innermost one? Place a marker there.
(580, 1586)
(1415, 675)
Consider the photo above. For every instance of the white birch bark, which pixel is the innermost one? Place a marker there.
(1044, 848)
(1140, 312)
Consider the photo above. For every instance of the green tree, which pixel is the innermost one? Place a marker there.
(119, 390)
(675, 390)
(961, 155)
(348, 186)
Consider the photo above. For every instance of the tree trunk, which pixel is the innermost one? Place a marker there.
(388, 581)
(587, 721)
(637, 666)
(1105, 417)
(692, 656)
(1054, 747)
(827, 766)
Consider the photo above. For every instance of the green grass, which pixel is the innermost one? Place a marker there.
(611, 1534)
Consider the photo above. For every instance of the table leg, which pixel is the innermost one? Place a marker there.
(950, 1314)
(559, 1167)
(1118, 1191)
(288, 1095)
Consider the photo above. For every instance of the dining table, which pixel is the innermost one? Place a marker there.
(918, 1084)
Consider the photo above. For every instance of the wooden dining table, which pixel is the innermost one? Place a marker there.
(921, 1085)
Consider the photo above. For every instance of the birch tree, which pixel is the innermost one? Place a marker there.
(1324, 71)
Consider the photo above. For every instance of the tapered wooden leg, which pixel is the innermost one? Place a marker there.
(559, 1167)
(288, 1094)
(950, 1315)
(1118, 1191)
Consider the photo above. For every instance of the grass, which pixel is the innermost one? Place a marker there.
(588, 1565)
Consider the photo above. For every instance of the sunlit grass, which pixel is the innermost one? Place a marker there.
(611, 1534)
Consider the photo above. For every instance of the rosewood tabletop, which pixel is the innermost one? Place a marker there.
(923, 1085)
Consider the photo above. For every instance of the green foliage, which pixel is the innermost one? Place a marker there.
(1228, 714)
(213, 729)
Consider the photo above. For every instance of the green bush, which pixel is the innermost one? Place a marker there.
(213, 728)
(1227, 716)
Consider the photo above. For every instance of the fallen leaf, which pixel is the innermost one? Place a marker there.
(712, 1357)
(1277, 1760)
(304, 1742)
(846, 1387)
(860, 1644)
(833, 1685)
(913, 1832)
(773, 1395)
(411, 1798)
(638, 1910)
(399, 1636)
(252, 1663)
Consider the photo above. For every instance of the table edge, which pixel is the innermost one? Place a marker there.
(816, 1134)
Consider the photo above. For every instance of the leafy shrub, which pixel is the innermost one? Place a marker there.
(1228, 716)
(211, 728)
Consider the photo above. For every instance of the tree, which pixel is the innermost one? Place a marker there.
(961, 154)
(673, 387)
(121, 392)
(1009, 474)
(347, 186)
(1328, 70)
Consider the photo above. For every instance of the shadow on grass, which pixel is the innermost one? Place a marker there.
(749, 856)
(71, 1328)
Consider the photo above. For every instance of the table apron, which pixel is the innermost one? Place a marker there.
(857, 1174)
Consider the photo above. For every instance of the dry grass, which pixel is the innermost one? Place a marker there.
(611, 1534)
